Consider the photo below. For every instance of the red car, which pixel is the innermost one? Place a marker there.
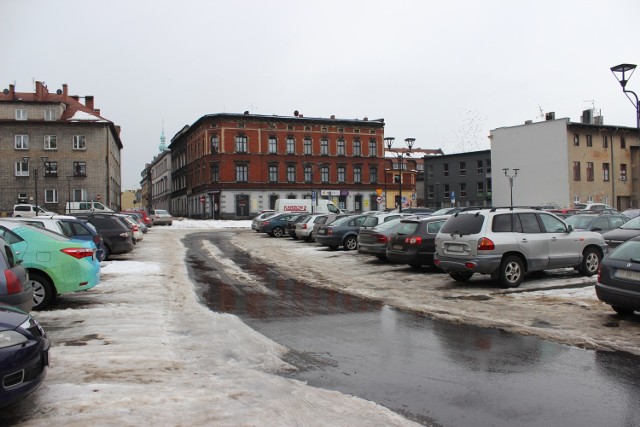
(145, 216)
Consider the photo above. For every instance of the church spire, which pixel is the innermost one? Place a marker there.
(163, 144)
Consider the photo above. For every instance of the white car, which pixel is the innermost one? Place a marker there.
(160, 217)
(26, 210)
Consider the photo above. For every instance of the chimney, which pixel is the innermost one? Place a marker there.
(65, 91)
(39, 91)
(12, 91)
(88, 102)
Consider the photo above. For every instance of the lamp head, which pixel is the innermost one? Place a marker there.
(619, 72)
(410, 142)
(389, 142)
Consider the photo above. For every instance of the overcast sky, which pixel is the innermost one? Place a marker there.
(445, 73)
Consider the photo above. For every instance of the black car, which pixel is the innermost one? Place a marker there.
(116, 235)
(413, 242)
(619, 278)
(626, 231)
(596, 222)
(275, 226)
(373, 241)
(24, 355)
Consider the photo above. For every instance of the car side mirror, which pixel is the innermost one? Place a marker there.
(569, 228)
(596, 229)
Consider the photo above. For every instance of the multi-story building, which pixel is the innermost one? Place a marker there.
(404, 176)
(160, 169)
(461, 179)
(234, 165)
(54, 149)
(562, 162)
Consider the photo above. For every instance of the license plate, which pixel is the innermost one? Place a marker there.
(322, 232)
(627, 274)
(455, 248)
(397, 247)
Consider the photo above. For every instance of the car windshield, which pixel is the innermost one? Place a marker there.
(628, 251)
(161, 212)
(579, 221)
(445, 211)
(633, 224)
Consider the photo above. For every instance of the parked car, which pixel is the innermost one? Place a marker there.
(626, 231)
(160, 217)
(376, 219)
(15, 288)
(276, 225)
(291, 225)
(304, 227)
(69, 226)
(137, 217)
(342, 232)
(143, 213)
(597, 207)
(326, 219)
(631, 213)
(26, 210)
(136, 234)
(507, 243)
(373, 241)
(116, 235)
(260, 217)
(413, 242)
(415, 210)
(596, 222)
(56, 263)
(24, 355)
(619, 277)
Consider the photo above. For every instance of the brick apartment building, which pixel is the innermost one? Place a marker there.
(234, 165)
(54, 149)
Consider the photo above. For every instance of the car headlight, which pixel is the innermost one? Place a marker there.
(11, 338)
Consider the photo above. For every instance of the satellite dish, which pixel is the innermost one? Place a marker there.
(59, 91)
(6, 91)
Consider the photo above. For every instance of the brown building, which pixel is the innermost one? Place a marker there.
(55, 149)
(234, 165)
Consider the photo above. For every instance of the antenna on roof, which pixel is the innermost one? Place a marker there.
(541, 112)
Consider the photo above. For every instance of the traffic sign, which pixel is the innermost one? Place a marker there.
(379, 199)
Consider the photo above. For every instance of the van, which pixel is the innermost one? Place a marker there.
(26, 210)
(79, 207)
(305, 205)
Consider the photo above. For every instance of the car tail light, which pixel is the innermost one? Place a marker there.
(135, 228)
(436, 262)
(304, 226)
(14, 286)
(329, 231)
(97, 240)
(78, 253)
(381, 238)
(413, 240)
(600, 274)
(485, 244)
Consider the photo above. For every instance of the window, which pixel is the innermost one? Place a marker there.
(50, 168)
(342, 174)
(589, 141)
(324, 146)
(373, 148)
(241, 144)
(445, 169)
(430, 192)
(50, 196)
(480, 189)
(215, 144)
(373, 175)
(605, 171)
(357, 174)
(463, 189)
(308, 173)
(273, 145)
(324, 174)
(623, 172)
(22, 168)
(49, 115)
(341, 151)
(215, 172)
(79, 142)
(623, 143)
(79, 169)
(552, 224)
(488, 163)
(242, 173)
(291, 145)
(576, 171)
(291, 173)
(22, 142)
(21, 114)
(357, 147)
(589, 171)
(273, 173)
(576, 140)
(447, 192)
(529, 223)
(307, 146)
(79, 194)
(463, 168)
(480, 168)
(605, 142)
(429, 171)
(50, 142)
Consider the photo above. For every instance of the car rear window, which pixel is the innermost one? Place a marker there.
(464, 224)
(371, 221)
(407, 228)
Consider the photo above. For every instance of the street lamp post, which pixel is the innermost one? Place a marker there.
(25, 159)
(400, 154)
(511, 178)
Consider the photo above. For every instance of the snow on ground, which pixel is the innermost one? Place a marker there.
(139, 349)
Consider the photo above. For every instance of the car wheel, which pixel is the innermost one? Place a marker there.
(590, 262)
(277, 232)
(460, 276)
(107, 252)
(511, 272)
(622, 311)
(350, 243)
(43, 291)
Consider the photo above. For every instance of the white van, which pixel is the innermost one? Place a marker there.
(78, 207)
(305, 205)
(26, 210)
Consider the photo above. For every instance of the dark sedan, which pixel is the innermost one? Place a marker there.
(619, 278)
(413, 242)
(342, 232)
(626, 231)
(373, 241)
(596, 222)
(24, 355)
(275, 226)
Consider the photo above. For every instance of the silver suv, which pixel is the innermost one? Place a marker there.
(507, 243)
